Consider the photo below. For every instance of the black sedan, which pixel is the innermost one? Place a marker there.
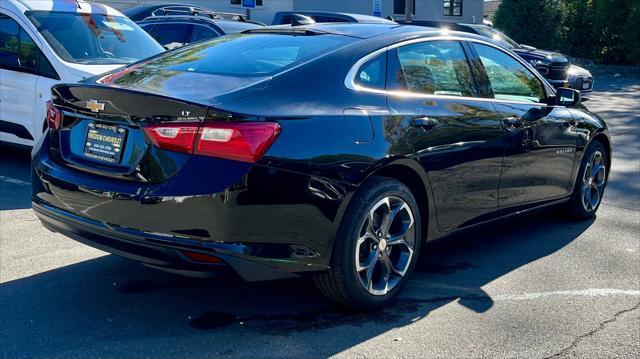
(328, 150)
(175, 25)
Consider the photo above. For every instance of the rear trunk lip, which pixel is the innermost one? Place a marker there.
(65, 105)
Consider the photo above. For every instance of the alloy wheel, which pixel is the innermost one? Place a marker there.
(593, 181)
(384, 248)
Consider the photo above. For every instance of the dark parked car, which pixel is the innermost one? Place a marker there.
(175, 25)
(330, 150)
(580, 79)
(555, 67)
(173, 31)
(141, 12)
(286, 17)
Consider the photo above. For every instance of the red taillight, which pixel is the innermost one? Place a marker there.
(54, 116)
(239, 141)
(178, 138)
(245, 142)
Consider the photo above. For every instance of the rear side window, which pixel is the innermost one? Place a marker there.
(434, 68)
(510, 80)
(373, 73)
(328, 19)
(247, 55)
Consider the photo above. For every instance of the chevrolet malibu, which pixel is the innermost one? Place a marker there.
(328, 150)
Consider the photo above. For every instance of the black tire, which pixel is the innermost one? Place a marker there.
(576, 208)
(343, 283)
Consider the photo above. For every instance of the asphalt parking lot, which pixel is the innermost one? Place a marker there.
(535, 286)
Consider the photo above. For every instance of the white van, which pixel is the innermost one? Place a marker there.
(44, 42)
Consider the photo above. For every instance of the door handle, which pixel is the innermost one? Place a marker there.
(426, 123)
(513, 122)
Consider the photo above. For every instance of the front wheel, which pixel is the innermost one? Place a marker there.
(590, 184)
(376, 247)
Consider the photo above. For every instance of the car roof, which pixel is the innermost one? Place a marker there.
(139, 12)
(357, 17)
(187, 18)
(79, 6)
(237, 26)
(370, 18)
(366, 31)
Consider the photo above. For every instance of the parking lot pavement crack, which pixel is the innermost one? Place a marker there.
(600, 327)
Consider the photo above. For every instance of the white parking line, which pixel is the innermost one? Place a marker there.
(14, 181)
(471, 292)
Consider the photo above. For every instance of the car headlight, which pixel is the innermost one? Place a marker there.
(537, 63)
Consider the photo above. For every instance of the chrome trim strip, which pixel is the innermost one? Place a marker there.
(349, 81)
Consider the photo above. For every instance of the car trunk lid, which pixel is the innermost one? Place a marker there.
(102, 131)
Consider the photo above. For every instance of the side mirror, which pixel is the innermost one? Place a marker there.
(567, 97)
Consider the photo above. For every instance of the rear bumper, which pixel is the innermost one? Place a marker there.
(155, 250)
(268, 224)
(584, 84)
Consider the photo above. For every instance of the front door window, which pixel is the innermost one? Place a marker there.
(509, 79)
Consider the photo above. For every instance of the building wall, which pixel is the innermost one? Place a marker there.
(472, 10)
(433, 10)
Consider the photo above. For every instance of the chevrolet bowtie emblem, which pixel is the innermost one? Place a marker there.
(95, 106)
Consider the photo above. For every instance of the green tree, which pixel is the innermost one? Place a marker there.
(631, 35)
(609, 21)
(533, 22)
(577, 31)
(607, 31)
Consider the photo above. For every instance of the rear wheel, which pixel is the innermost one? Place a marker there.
(590, 184)
(376, 247)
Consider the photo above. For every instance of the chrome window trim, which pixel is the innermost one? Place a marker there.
(350, 79)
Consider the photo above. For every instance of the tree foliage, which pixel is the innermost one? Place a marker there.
(607, 31)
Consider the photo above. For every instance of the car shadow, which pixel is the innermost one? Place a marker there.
(112, 307)
(15, 177)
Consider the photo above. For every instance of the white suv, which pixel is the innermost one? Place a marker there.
(44, 42)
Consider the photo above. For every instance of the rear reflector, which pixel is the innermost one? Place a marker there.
(239, 141)
(201, 257)
(54, 116)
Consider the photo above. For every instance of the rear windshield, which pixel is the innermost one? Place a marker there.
(94, 39)
(247, 54)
